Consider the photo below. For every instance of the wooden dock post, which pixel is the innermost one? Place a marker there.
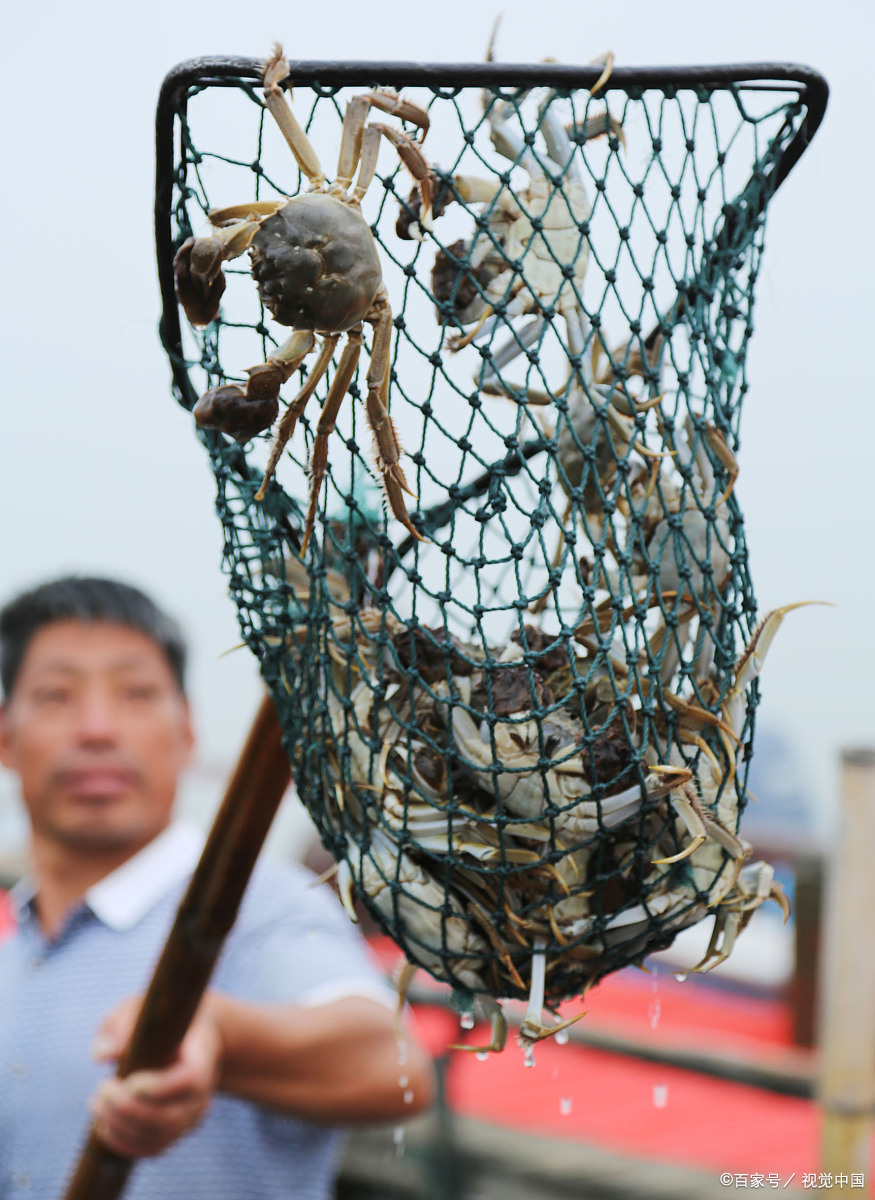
(847, 987)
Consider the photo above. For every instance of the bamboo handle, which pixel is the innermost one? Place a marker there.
(847, 1020)
(202, 923)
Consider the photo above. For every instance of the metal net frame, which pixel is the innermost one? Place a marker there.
(525, 737)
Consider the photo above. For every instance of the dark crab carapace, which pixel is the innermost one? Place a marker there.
(316, 264)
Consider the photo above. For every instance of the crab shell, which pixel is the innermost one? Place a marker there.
(316, 264)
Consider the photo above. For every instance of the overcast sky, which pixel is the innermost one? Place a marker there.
(100, 471)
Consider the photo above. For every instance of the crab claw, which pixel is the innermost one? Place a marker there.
(233, 411)
(599, 126)
(199, 279)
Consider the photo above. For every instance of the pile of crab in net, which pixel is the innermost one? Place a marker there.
(514, 648)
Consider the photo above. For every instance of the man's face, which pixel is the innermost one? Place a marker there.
(98, 732)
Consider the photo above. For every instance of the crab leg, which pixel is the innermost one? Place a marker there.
(719, 445)
(752, 887)
(532, 1030)
(267, 378)
(700, 824)
(351, 141)
(354, 125)
(232, 239)
(520, 341)
(370, 149)
(275, 71)
(752, 659)
(598, 126)
(474, 190)
(510, 143)
(497, 1028)
(388, 450)
(397, 106)
(416, 164)
(559, 144)
(223, 217)
(402, 987)
(286, 427)
(327, 420)
(358, 145)
(531, 1026)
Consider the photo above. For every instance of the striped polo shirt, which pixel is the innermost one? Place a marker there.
(292, 943)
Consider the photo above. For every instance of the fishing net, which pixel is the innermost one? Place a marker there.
(525, 732)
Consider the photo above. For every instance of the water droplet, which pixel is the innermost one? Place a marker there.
(403, 1081)
(654, 1011)
(529, 1056)
(398, 1138)
(466, 1020)
(655, 1007)
(560, 1037)
(660, 1095)
(402, 1052)
(680, 977)
(565, 1106)
(408, 1096)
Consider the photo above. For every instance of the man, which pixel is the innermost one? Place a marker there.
(297, 1032)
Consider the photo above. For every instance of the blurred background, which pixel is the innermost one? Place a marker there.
(100, 471)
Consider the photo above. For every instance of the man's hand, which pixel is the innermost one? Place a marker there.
(147, 1111)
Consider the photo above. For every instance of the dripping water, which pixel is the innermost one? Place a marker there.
(655, 1007)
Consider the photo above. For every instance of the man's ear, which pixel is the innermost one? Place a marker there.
(7, 756)
(190, 733)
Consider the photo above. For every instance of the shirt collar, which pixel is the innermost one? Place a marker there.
(123, 897)
(21, 896)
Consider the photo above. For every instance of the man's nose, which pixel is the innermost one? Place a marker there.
(97, 720)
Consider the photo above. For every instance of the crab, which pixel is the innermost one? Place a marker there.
(531, 251)
(315, 262)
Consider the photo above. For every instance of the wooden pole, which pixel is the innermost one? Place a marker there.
(847, 987)
(202, 923)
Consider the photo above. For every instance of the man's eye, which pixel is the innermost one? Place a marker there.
(52, 695)
(141, 691)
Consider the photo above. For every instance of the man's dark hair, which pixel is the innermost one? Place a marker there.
(77, 598)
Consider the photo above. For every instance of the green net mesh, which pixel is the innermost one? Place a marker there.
(525, 736)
